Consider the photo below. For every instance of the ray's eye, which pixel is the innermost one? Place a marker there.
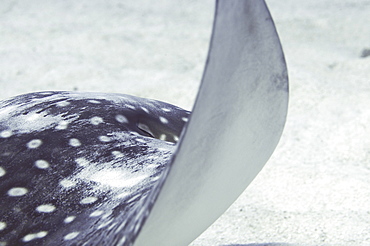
(145, 130)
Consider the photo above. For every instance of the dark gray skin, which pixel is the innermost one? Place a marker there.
(75, 168)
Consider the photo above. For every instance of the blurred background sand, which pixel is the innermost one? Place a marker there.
(315, 190)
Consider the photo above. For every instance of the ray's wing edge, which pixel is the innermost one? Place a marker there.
(236, 124)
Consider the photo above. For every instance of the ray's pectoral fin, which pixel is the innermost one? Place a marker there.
(244, 86)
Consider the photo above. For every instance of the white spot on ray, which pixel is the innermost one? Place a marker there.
(145, 110)
(69, 219)
(82, 162)
(163, 120)
(166, 109)
(62, 125)
(6, 134)
(66, 183)
(2, 171)
(74, 142)
(17, 191)
(89, 200)
(42, 234)
(130, 106)
(63, 103)
(96, 213)
(94, 101)
(96, 120)
(42, 164)
(123, 194)
(34, 143)
(176, 138)
(121, 119)
(46, 208)
(104, 139)
(163, 137)
(71, 235)
(184, 119)
(140, 140)
(30, 237)
(117, 153)
(2, 225)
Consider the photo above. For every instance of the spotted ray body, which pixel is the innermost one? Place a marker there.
(75, 168)
(59, 177)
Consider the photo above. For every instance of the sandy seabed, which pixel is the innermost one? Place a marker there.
(315, 190)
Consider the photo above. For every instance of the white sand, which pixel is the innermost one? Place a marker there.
(315, 190)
